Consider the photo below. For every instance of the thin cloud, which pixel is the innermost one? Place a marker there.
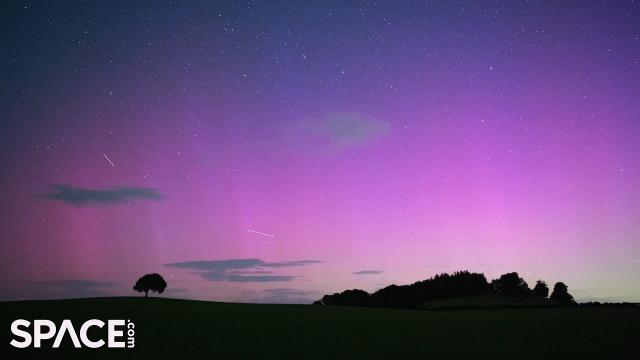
(368, 272)
(286, 296)
(291, 263)
(288, 292)
(71, 288)
(240, 270)
(253, 272)
(259, 278)
(82, 196)
(340, 131)
(435, 266)
(74, 283)
(215, 265)
(175, 291)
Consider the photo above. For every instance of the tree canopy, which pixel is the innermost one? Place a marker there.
(511, 284)
(561, 293)
(150, 282)
(541, 289)
(458, 285)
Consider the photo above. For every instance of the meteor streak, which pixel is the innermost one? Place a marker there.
(109, 160)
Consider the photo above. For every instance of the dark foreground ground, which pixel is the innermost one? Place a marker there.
(182, 329)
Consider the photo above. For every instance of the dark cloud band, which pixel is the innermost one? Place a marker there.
(71, 288)
(81, 196)
(368, 272)
(233, 269)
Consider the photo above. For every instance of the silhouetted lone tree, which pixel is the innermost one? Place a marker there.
(150, 282)
(511, 284)
(561, 293)
(541, 289)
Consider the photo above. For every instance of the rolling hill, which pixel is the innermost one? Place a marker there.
(170, 328)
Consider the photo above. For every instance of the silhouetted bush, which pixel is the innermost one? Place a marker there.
(511, 284)
(561, 293)
(150, 282)
(353, 297)
(541, 289)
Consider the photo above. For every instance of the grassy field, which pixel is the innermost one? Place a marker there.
(489, 300)
(182, 329)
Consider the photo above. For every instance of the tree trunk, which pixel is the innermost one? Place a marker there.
(146, 293)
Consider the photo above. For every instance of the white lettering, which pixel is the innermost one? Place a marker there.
(66, 327)
(113, 333)
(85, 338)
(38, 335)
(20, 333)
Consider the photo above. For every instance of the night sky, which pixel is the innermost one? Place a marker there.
(276, 151)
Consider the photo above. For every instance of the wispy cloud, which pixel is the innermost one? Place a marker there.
(259, 278)
(240, 270)
(368, 272)
(175, 291)
(82, 196)
(71, 288)
(339, 131)
(286, 296)
(215, 265)
(288, 292)
(74, 283)
(291, 263)
(435, 266)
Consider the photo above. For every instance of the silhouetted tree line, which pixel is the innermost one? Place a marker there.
(444, 286)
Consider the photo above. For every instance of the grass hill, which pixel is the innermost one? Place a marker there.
(184, 329)
(487, 301)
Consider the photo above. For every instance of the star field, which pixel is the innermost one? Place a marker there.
(375, 142)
